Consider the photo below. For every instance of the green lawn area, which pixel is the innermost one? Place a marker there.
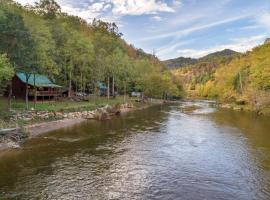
(65, 105)
(3, 104)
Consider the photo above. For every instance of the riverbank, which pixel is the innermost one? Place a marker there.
(239, 105)
(41, 128)
(265, 110)
(51, 110)
(49, 121)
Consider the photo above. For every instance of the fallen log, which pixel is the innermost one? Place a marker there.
(6, 131)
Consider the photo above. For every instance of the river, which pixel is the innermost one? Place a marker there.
(189, 150)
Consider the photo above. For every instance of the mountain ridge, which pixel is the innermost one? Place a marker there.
(187, 61)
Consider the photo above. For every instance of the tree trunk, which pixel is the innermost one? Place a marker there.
(26, 96)
(113, 92)
(69, 86)
(95, 95)
(83, 85)
(10, 95)
(35, 88)
(108, 88)
(76, 88)
(81, 82)
(125, 91)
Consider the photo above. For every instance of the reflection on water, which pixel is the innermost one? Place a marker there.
(185, 151)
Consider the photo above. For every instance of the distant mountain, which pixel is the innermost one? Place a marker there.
(220, 56)
(180, 62)
(226, 53)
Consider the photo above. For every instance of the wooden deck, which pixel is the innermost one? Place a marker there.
(45, 93)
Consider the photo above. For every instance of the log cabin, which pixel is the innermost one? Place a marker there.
(39, 84)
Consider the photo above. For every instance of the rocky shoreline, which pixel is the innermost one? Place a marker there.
(239, 106)
(45, 115)
(245, 108)
(12, 138)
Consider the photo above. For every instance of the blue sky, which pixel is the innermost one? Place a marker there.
(173, 28)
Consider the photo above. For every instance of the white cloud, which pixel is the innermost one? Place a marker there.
(177, 3)
(88, 11)
(193, 29)
(249, 27)
(238, 44)
(87, 14)
(96, 7)
(168, 49)
(110, 9)
(139, 7)
(107, 7)
(264, 20)
(156, 18)
(195, 10)
(25, 2)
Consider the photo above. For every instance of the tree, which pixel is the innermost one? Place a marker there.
(61, 37)
(48, 8)
(6, 72)
(82, 58)
(140, 74)
(14, 36)
(106, 41)
(16, 42)
(122, 70)
(43, 61)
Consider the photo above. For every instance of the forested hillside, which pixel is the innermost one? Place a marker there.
(203, 69)
(224, 55)
(73, 53)
(243, 80)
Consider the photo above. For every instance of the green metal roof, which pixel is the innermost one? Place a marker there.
(41, 80)
(102, 86)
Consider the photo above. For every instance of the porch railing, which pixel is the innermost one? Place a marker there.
(45, 93)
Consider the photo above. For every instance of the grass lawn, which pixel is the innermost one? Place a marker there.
(3, 104)
(65, 105)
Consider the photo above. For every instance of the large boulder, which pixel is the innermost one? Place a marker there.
(101, 115)
(116, 109)
(104, 116)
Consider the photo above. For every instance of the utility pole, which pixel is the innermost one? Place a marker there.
(153, 56)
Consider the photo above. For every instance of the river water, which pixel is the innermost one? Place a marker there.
(184, 151)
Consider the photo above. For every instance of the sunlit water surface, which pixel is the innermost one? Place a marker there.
(183, 151)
